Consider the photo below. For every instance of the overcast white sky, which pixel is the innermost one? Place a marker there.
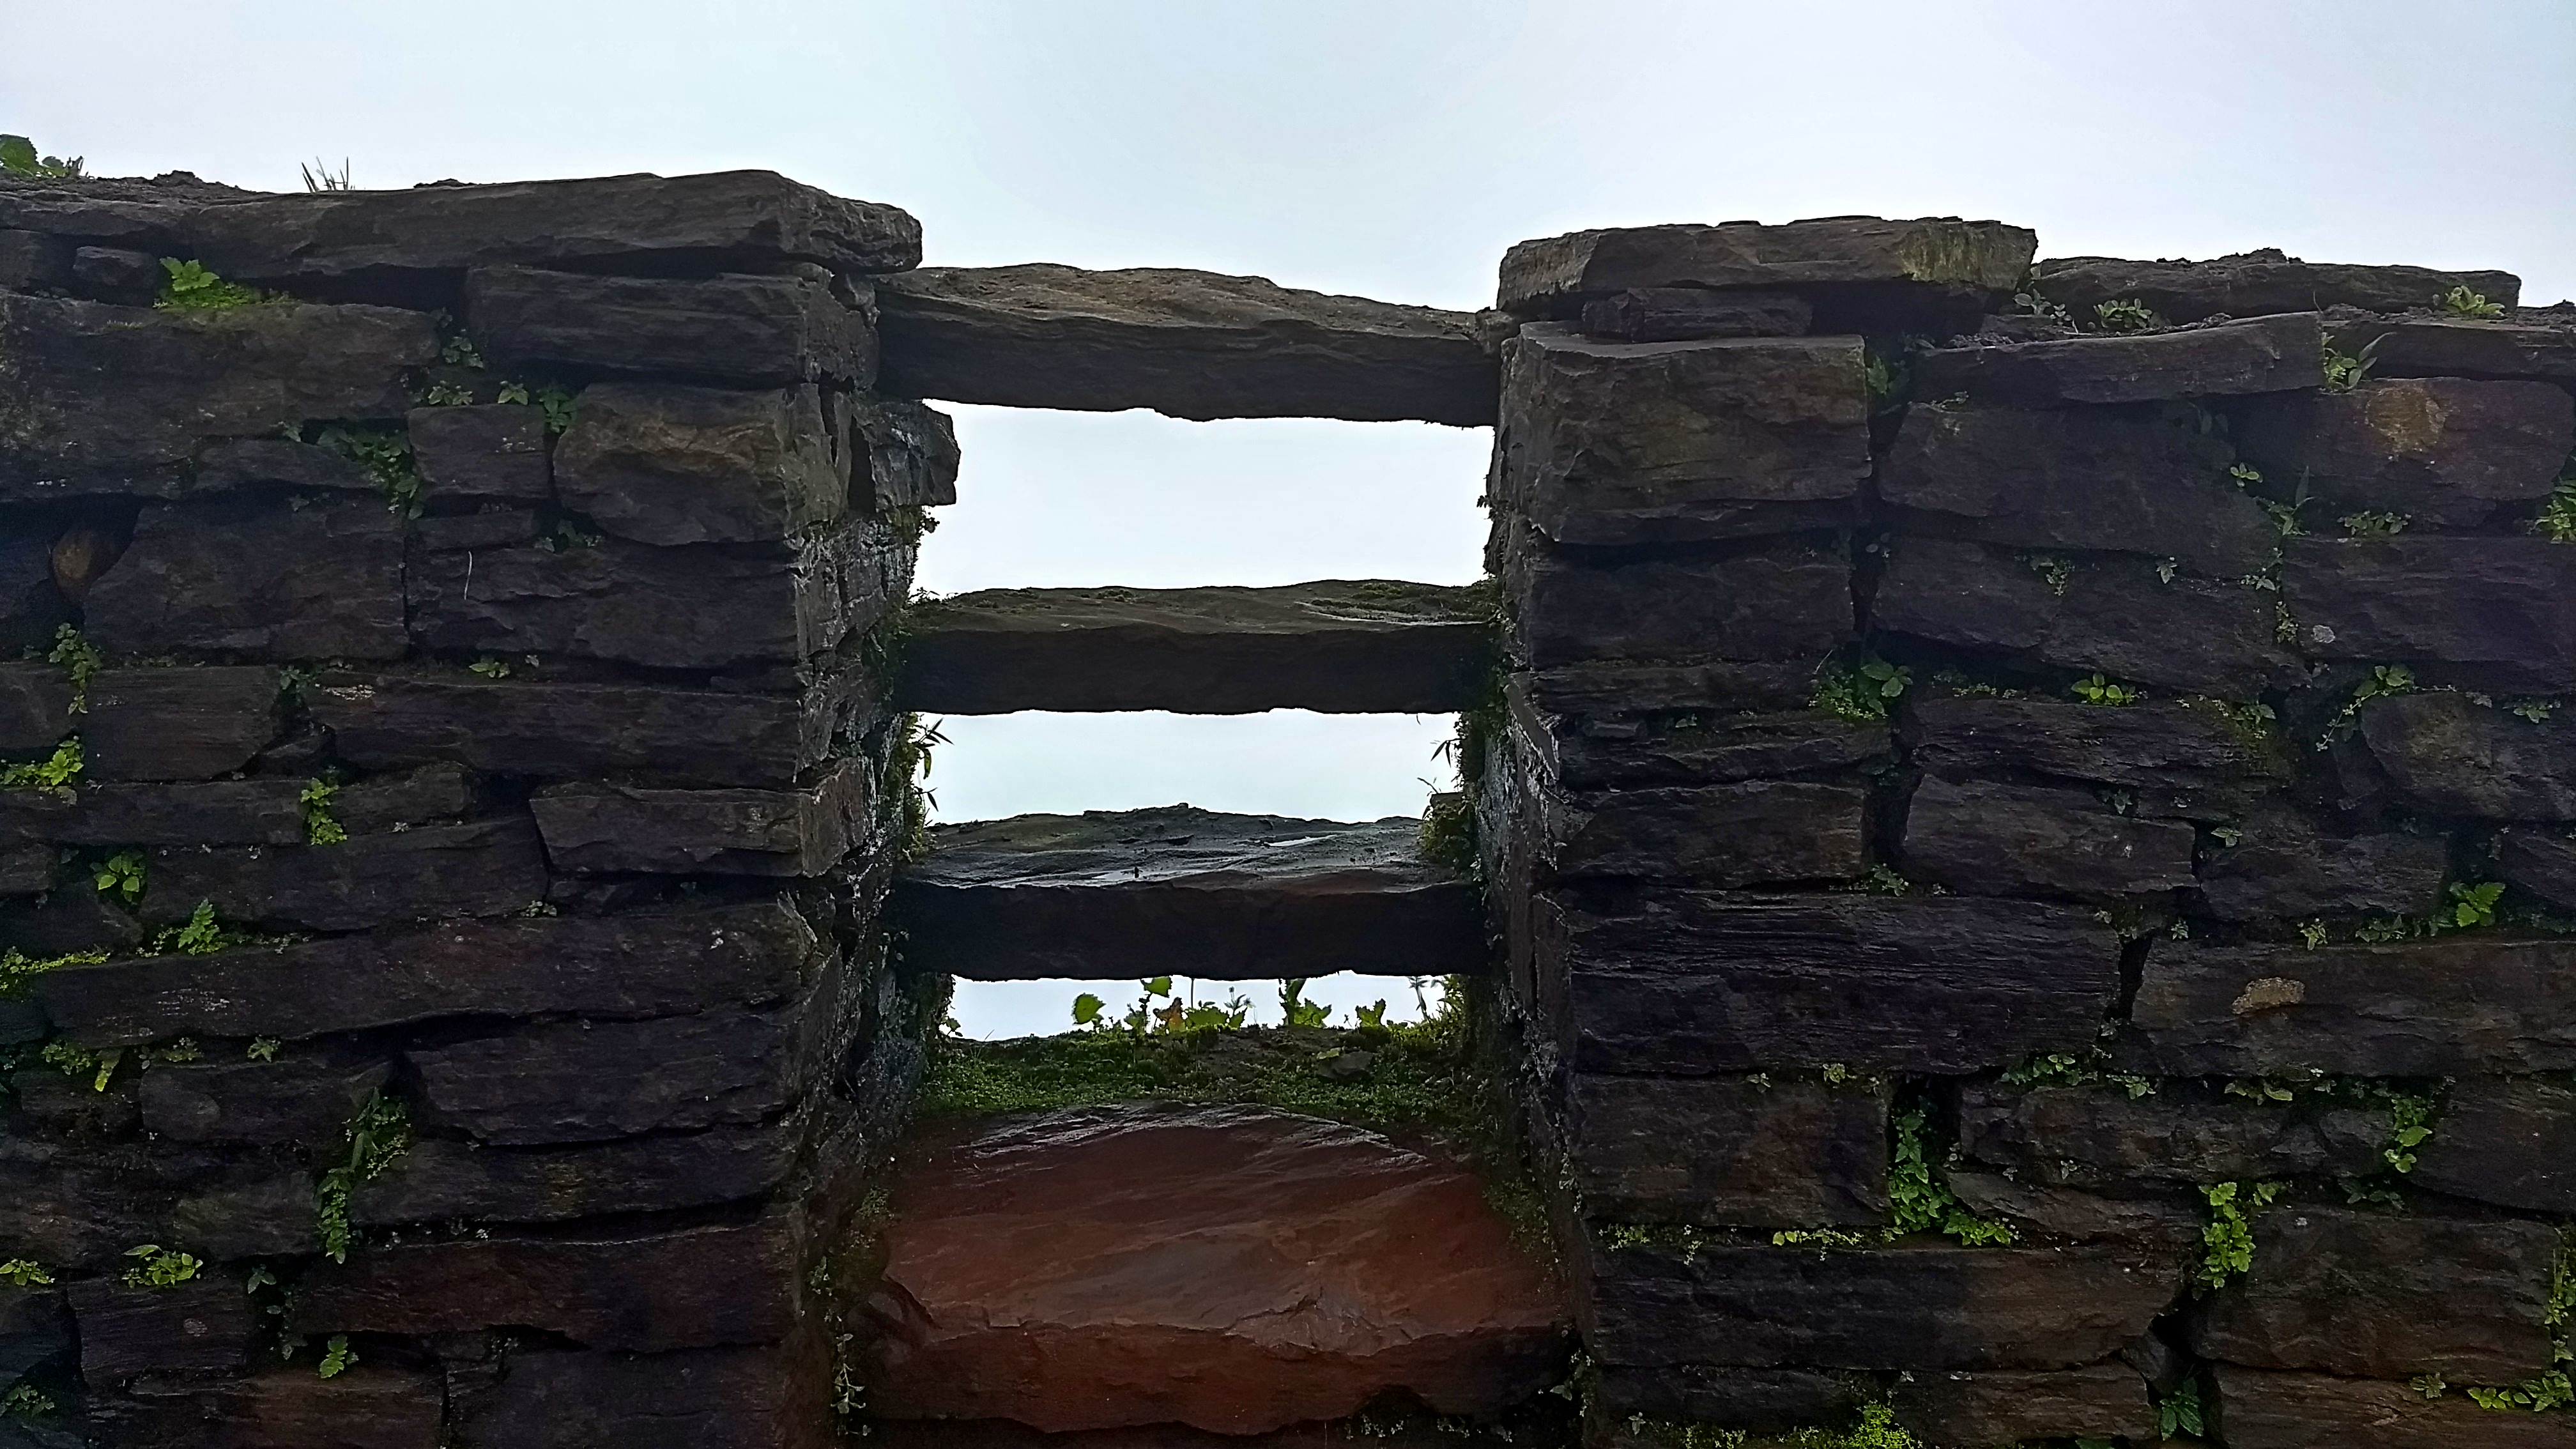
(1391, 148)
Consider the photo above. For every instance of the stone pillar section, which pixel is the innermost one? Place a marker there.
(441, 862)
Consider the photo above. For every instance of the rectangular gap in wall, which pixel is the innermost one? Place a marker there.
(1000, 1010)
(1289, 762)
(1069, 500)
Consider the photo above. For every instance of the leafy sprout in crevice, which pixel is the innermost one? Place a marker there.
(2374, 523)
(2227, 1239)
(121, 876)
(2126, 315)
(2096, 689)
(2178, 1410)
(1865, 689)
(315, 801)
(157, 1267)
(2346, 371)
(2462, 302)
(79, 660)
(186, 286)
(53, 772)
(2557, 519)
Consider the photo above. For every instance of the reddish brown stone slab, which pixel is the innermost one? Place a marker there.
(1229, 1268)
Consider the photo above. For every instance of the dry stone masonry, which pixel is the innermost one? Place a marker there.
(2022, 886)
(2026, 805)
(456, 787)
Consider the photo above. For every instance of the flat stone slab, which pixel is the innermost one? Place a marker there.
(1940, 252)
(714, 221)
(1174, 890)
(1370, 646)
(2265, 355)
(2249, 284)
(1232, 1269)
(1184, 343)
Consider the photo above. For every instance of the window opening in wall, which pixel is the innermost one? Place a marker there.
(1135, 500)
(1060, 499)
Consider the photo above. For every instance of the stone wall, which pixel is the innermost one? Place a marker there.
(2031, 809)
(452, 793)
(2027, 810)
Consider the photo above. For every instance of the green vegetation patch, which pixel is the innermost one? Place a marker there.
(1411, 1080)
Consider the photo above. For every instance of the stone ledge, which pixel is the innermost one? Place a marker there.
(1355, 647)
(1178, 891)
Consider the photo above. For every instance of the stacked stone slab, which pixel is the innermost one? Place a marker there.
(450, 804)
(1969, 771)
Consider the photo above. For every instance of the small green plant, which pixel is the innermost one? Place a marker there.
(2410, 1123)
(121, 875)
(2474, 904)
(2178, 1412)
(1448, 834)
(444, 394)
(155, 1266)
(556, 404)
(75, 1062)
(2557, 520)
(2095, 689)
(18, 158)
(1823, 1240)
(23, 1273)
(2461, 302)
(1087, 1009)
(1885, 377)
(384, 454)
(337, 1356)
(2369, 524)
(378, 1136)
(2430, 1386)
(2347, 371)
(1295, 1009)
(2539, 1395)
(2312, 934)
(1880, 880)
(2064, 1069)
(905, 791)
(490, 668)
(2028, 301)
(319, 827)
(2244, 473)
(2053, 571)
(202, 935)
(189, 287)
(1919, 1202)
(1863, 690)
(25, 1401)
(2285, 516)
(2227, 1239)
(2124, 315)
(263, 1048)
(18, 968)
(78, 659)
(53, 772)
